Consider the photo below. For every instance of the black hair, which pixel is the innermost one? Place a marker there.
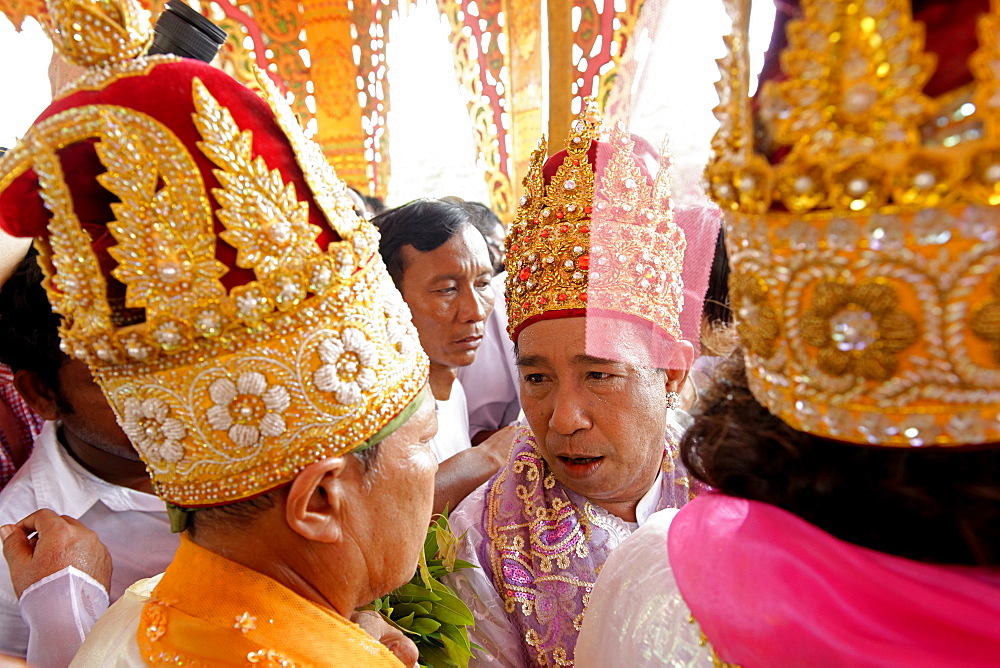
(938, 505)
(484, 220)
(425, 224)
(29, 329)
(375, 204)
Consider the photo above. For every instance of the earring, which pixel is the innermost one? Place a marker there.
(673, 400)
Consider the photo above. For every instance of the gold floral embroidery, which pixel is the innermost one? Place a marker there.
(756, 320)
(858, 329)
(986, 320)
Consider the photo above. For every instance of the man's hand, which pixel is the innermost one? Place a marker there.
(498, 446)
(394, 639)
(59, 541)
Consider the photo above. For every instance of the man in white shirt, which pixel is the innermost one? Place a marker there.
(439, 261)
(82, 467)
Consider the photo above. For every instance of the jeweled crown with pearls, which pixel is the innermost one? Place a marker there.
(560, 265)
(209, 268)
(862, 227)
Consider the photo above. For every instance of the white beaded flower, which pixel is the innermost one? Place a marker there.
(248, 409)
(152, 431)
(399, 327)
(348, 366)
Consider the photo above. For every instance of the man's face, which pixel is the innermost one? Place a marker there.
(449, 294)
(599, 424)
(396, 506)
(86, 416)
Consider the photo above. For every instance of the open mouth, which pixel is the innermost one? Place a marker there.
(580, 466)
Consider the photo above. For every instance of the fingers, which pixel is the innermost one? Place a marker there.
(16, 547)
(402, 648)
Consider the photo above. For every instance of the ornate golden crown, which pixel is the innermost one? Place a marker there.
(603, 242)
(865, 253)
(227, 383)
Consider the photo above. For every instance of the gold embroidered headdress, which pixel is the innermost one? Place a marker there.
(208, 266)
(862, 228)
(560, 266)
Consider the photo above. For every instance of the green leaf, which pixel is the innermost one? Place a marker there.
(419, 609)
(452, 610)
(424, 625)
(458, 635)
(405, 622)
(414, 593)
(456, 652)
(436, 657)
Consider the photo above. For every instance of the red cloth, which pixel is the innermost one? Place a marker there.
(951, 35)
(18, 427)
(165, 94)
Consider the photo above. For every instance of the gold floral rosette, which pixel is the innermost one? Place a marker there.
(208, 266)
(862, 228)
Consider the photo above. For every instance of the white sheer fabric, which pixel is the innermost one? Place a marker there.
(133, 525)
(112, 642)
(636, 615)
(65, 604)
(493, 631)
(492, 379)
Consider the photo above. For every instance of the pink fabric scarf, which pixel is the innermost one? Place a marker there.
(770, 589)
(545, 546)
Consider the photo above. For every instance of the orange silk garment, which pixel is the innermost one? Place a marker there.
(208, 610)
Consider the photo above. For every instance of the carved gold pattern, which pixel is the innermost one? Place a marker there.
(634, 270)
(869, 228)
(217, 390)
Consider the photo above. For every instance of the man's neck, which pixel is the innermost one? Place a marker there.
(278, 559)
(108, 467)
(442, 379)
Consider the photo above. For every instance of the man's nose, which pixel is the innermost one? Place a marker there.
(569, 410)
(474, 307)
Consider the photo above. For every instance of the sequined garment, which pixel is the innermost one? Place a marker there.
(862, 227)
(545, 545)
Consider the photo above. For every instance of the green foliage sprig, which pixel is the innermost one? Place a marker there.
(427, 610)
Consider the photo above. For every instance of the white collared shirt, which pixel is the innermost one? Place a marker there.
(132, 525)
(453, 424)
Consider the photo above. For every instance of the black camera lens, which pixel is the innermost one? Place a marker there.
(182, 31)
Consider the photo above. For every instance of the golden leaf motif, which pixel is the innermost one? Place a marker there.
(166, 245)
(264, 220)
(74, 281)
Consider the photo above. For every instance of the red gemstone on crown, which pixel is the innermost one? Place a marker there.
(525, 273)
(561, 296)
(583, 262)
(588, 209)
(585, 229)
(583, 296)
(564, 229)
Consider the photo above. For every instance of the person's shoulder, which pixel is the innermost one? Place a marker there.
(469, 512)
(112, 641)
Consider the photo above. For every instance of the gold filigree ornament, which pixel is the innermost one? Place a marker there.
(862, 227)
(258, 349)
(553, 268)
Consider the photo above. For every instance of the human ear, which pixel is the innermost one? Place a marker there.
(37, 394)
(682, 355)
(316, 499)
